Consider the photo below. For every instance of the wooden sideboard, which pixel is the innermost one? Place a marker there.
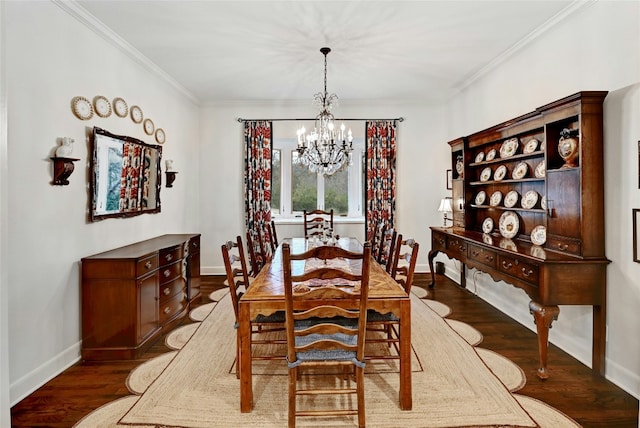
(132, 293)
(568, 264)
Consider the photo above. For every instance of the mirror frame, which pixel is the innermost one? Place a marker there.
(94, 176)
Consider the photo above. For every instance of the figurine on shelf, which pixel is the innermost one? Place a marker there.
(66, 147)
(568, 147)
(168, 165)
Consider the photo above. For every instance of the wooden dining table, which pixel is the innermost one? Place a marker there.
(266, 296)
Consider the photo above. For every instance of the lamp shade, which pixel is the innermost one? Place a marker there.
(445, 205)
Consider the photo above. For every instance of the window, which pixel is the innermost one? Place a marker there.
(295, 188)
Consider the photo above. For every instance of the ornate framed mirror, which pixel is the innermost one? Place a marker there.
(125, 177)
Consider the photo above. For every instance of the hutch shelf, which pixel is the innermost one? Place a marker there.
(528, 209)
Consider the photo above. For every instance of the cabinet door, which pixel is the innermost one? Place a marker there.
(147, 306)
(193, 276)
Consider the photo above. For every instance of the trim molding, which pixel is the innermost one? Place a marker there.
(97, 26)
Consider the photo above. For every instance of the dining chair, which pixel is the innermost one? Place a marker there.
(321, 333)
(266, 327)
(237, 263)
(387, 247)
(375, 238)
(314, 222)
(404, 263)
(274, 236)
(257, 256)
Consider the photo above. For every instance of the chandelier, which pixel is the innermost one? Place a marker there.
(325, 149)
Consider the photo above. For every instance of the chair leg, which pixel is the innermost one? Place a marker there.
(293, 378)
(360, 393)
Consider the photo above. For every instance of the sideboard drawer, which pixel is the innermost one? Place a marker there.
(170, 289)
(482, 255)
(438, 242)
(147, 264)
(515, 267)
(170, 255)
(457, 246)
(172, 307)
(171, 272)
(566, 245)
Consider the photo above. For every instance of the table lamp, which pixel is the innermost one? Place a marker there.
(446, 207)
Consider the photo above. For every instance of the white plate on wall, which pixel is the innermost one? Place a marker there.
(487, 225)
(509, 224)
(491, 155)
(481, 197)
(531, 146)
(509, 148)
(500, 173)
(496, 198)
(511, 199)
(485, 175)
(480, 157)
(530, 199)
(520, 171)
(540, 170)
(539, 235)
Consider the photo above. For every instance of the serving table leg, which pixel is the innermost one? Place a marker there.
(543, 316)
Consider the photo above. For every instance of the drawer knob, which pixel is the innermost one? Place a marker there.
(167, 273)
(488, 258)
(166, 291)
(463, 248)
(506, 265)
(563, 247)
(148, 265)
(526, 272)
(167, 310)
(168, 257)
(475, 253)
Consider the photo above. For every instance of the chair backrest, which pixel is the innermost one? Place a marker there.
(405, 262)
(274, 236)
(305, 303)
(232, 254)
(387, 248)
(376, 239)
(255, 254)
(314, 221)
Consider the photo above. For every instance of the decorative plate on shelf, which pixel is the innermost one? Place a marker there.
(491, 155)
(500, 173)
(102, 106)
(539, 235)
(82, 108)
(540, 170)
(530, 199)
(480, 157)
(120, 107)
(543, 202)
(481, 197)
(485, 175)
(136, 114)
(460, 167)
(487, 225)
(531, 146)
(509, 148)
(496, 198)
(520, 171)
(511, 199)
(487, 239)
(508, 244)
(509, 224)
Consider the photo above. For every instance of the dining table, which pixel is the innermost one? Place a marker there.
(266, 295)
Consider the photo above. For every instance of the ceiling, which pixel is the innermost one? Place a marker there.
(270, 50)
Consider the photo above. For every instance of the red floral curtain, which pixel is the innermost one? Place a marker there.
(257, 177)
(381, 175)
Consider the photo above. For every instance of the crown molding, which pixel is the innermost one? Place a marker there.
(98, 27)
(529, 38)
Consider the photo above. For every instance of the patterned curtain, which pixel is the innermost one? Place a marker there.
(257, 177)
(130, 177)
(380, 175)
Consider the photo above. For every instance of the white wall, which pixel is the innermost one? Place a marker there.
(420, 181)
(597, 47)
(51, 56)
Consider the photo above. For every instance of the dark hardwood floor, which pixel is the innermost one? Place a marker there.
(572, 387)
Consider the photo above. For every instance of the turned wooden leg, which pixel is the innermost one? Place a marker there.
(543, 316)
(432, 255)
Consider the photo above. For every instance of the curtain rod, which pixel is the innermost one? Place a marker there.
(399, 119)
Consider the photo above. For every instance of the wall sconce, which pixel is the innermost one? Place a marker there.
(446, 207)
(62, 163)
(169, 172)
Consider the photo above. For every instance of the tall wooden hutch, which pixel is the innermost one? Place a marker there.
(528, 209)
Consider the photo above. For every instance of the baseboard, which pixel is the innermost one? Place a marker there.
(35, 379)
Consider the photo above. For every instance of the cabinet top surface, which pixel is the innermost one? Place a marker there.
(142, 248)
(523, 248)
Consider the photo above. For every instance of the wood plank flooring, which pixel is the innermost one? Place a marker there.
(572, 388)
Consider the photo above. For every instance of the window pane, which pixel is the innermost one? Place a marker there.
(336, 189)
(276, 182)
(304, 186)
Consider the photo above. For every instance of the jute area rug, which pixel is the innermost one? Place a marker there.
(454, 383)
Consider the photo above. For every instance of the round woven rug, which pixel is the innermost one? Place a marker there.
(419, 291)
(509, 373)
(468, 333)
(141, 377)
(218, 294)
(439, 308)
(201, 312)
(545, 415)
(181, 335)
(107, 416)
